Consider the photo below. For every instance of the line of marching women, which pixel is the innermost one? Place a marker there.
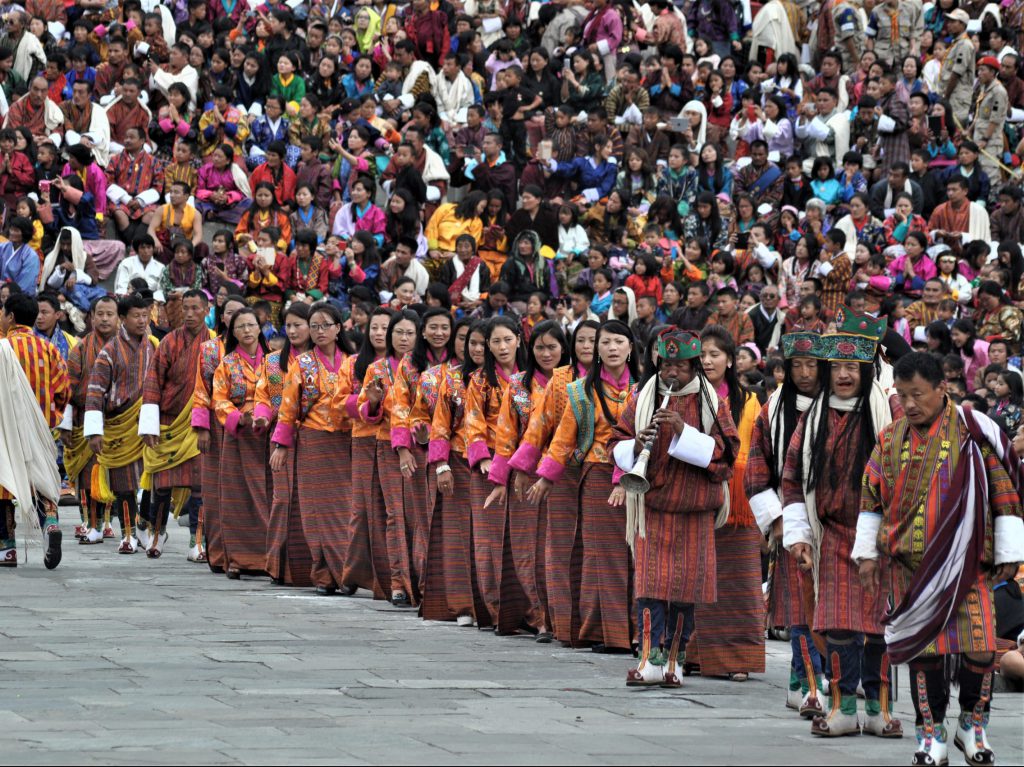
(562, 487)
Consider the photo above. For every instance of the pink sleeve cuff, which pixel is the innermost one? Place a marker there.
(439, 450)
(401, 437)
(284, 434)
(183, 128)
(362, 165)
(364, 413)
(231, 422)
(235, 197)
(617, 475)
(263, 411)
(551, 469)
(201, 418)
(165, 124)
(499, 470)
(352, 406)
(477, 452)
(525, 459)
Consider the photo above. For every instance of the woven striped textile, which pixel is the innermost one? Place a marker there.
(842, 604)
(288, 557)
(488, 544)
(785, 606)
(399, 507)
(324, 501)
(450, 574)
(563, 557)
(211, 498)
(527, 529)
(606, 589)
(676, 561)
(730, 633)
(244, 499)
(362, 563)
(421, 494)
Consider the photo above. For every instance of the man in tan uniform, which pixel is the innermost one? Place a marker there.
(849, 26)
(956, 78)
(991, 104)
(894, 31)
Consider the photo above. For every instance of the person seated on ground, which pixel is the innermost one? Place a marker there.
(135, 179)
(223, 193)
(141, 265)
(176, 220)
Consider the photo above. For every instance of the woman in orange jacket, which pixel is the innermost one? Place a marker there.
(526, 522)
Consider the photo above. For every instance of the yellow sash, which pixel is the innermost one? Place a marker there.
(178, 444)
(77, 454)
(122, 446)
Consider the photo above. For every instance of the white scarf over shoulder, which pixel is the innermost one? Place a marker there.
(28, 454)
(647, 401)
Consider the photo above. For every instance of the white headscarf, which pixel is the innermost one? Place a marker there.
(696, 106)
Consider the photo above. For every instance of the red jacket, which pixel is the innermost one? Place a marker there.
(285, 191)
(429, 33)
(645, 286)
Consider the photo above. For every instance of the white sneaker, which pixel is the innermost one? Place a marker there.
(464, 620)
(972, 739)
(932, 750)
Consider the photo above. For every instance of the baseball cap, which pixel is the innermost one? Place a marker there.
(959, 15)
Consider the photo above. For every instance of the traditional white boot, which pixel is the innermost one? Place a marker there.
(145, 538)
(128, 545)
(932, 750)
(972, 739)
(793, 699)
(649, 673)
(464, 621)
(196, 554)
(8, 557)
(882, 726)
(811, 706)
(91, 537)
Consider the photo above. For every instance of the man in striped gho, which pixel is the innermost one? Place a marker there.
(940, 522)
(670, 525)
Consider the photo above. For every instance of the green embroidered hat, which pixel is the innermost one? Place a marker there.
(677, 345)
(843, 347)
(849, 322)
(801, 345)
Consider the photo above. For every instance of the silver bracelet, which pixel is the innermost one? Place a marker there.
(443, 469)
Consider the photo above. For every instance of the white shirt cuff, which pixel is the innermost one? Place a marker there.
(795, 527)
(767, 507)
(919, 335)
(408, 100)
(817, 129)
(93, 426)
(886, 124)
(67, 421)
(149, 420)
(865, 545)
(603, 48)
(623, 454)
(1009, 540)
(824, 269)
(693, 447)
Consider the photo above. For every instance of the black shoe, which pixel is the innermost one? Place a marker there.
(348, 591)
(326, 591)
(216, 569)
(276, 582)
(400, 600)
(234, 575)
(53, 552)
(545, 637)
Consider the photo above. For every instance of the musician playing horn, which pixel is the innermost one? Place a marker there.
(671, 527)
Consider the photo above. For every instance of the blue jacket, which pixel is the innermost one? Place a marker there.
(588, 176)
(20, 266)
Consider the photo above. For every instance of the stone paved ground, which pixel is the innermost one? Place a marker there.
(115, 659)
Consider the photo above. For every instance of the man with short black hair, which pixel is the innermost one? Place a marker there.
(728, 315)
(940, 505)
(693, 315)
(489, 171)
(1007, 221)
(78, 457)
(112, 405)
